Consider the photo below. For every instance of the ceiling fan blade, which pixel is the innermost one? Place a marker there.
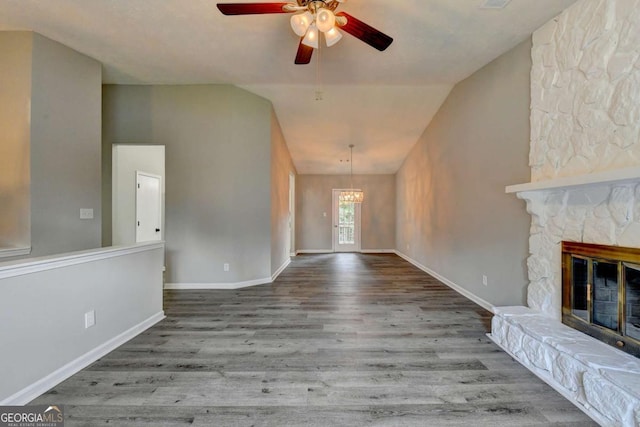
(364, 32)
(251, 8)
(304, 53)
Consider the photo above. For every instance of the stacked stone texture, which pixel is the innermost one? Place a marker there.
(585, 118)
(585, 90)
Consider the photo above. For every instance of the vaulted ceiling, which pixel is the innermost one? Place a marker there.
(379, 101)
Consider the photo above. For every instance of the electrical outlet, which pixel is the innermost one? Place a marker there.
(226, 266)
(484, 280)
(89, 319)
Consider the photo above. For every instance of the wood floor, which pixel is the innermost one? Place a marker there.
(337, 340)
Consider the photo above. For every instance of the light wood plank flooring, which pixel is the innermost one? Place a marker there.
(337, 340)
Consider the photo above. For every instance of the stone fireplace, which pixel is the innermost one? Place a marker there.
(585, 188)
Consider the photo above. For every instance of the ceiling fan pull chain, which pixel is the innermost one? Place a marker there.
(318, 75)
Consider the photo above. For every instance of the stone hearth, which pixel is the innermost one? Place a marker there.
(599, 379)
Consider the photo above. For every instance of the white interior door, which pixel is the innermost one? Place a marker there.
(148, 207)
(346, 225)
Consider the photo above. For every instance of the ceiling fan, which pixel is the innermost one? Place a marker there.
(311, 18)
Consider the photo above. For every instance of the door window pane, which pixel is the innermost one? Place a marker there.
(346, 223)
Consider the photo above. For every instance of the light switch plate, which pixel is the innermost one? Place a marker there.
(86, 213)
(89, 319)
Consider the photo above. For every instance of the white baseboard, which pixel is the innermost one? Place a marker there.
(459, 289)
(228, 286)
(217, 286)
(284, 265)
(330, 251)
(36, 389)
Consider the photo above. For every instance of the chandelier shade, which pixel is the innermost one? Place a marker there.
(351, 196)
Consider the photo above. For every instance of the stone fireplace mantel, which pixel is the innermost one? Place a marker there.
(612, 177)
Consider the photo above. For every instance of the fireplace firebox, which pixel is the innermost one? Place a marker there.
(601, 293)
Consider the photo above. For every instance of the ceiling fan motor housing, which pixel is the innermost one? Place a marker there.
(314, 5)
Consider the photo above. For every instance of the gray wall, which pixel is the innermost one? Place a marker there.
(43, 312)
(452, 214)
(218, 145)
(15, 96)
(314, 198)
(64, 144)
(281, 168)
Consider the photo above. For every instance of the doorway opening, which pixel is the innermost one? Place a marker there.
(129, 161)
(292, 214)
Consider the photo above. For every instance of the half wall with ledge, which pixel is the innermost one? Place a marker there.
(61, 313)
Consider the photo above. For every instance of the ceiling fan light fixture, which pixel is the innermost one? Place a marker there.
(311, 38)
(300, 23)
(332, 36)
(325, 20)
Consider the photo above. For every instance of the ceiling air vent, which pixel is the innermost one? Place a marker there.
(494, 4)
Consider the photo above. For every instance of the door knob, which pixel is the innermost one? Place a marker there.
(157, 230)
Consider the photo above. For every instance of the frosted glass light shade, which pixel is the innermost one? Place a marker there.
(332, 36)
(325, 20)
(311, 38)
(300, 23)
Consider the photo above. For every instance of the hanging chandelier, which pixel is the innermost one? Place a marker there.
(351, 195)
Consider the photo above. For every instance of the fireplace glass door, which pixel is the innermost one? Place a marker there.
(595, 287)
(601, 293)
(632, 300)
(605, 294)
(581, 289)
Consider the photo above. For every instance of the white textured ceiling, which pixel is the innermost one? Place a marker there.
(379, 101)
